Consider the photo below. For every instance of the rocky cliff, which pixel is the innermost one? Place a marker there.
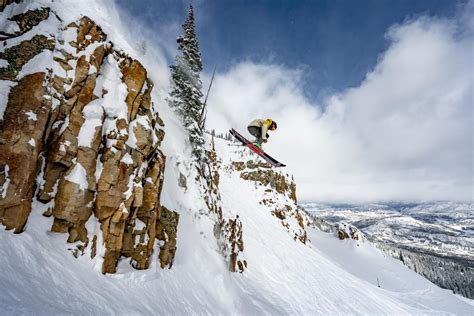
(80, 133)
(279, 195)
(81, 137)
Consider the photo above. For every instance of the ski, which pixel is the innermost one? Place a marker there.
(255, 149)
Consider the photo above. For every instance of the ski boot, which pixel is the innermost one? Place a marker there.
(258, 145)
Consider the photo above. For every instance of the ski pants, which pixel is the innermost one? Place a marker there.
(257, 132)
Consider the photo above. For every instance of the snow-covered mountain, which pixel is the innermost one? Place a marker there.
(440, 232)
(105, 212)
(442, 228)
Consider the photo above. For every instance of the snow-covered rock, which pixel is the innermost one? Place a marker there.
(75, 122)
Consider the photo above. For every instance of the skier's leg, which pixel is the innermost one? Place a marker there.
(257, 132)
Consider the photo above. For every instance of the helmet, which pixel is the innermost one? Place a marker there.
(273, 126)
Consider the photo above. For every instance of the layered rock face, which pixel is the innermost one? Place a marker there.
(80, 133)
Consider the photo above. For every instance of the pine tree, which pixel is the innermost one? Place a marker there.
(186, 94)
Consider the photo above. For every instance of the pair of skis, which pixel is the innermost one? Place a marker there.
(255, 149)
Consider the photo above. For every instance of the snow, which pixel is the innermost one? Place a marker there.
(78, 175)
(64, 125)
(40, 181)
(439, 228)
(139, 225)
(127, 159)
(114, 101)
(56, 124)
(5, 86)
(4, 187)
(93, 114)
(330, 277)
(127, 194)
(92, 69)
(55, 104)
(46, 28)
(31, 116)
(39, 64)
(365, 262)
(98, 168)
(3, 63)
(32, 142)
(67, 36)
(6, 25)
(99, 85)
(132, 140)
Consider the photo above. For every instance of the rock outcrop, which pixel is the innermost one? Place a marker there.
(279, 195)
(80, 133)
(341, 230)
(228, 231)
(26, 21)
(345, 231)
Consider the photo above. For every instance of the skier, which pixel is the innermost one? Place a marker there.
(259, 128)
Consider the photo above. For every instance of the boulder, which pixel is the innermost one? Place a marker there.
(166, 231)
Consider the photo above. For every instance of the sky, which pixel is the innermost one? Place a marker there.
(335, 41)
(373, 98)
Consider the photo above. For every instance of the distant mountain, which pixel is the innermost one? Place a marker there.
(439, 232)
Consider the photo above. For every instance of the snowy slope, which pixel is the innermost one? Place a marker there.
(39, 275)
(435, 239)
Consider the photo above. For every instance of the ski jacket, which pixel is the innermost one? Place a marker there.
(263, 124)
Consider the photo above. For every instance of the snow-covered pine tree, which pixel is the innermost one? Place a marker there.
(185, 98)
(186, 82)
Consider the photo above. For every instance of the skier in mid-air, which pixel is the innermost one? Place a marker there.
(259, 128)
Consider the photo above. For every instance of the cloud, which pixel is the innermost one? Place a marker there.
(405, 133)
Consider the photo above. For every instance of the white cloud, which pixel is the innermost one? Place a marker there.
(405, 133)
